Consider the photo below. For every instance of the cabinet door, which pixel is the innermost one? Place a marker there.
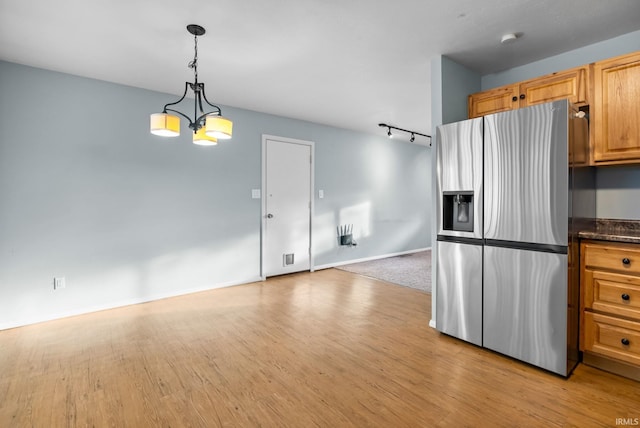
(617, 295)
(612, 337)
(496, 100)
(617, 110)
(571, 84)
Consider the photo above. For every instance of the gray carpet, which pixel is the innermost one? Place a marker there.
(410, 270)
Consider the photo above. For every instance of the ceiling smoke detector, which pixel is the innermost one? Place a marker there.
(508, 38)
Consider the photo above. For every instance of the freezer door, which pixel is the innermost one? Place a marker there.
(459, 291)
(459, 169)
(526, 175)
(525, 306)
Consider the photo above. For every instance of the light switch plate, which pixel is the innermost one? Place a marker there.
(320, 194)
(255, 193)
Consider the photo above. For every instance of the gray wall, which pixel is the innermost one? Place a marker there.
(457, 83)
(618, 194)
(87, 193)
(617, 187)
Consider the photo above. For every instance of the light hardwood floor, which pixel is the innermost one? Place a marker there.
(325, 349)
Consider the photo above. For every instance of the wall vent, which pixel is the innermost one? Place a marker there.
(287, 259)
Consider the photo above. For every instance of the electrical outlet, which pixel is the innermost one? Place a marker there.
(59, 283)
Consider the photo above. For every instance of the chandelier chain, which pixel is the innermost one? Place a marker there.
(194, 64)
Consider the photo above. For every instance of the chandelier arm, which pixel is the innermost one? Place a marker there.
(181, 114)
(204, 115)
(184, 94)
(197, 102)
(204, 95)
(199, 120)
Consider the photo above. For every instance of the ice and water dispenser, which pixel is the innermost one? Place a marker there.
(457, 210)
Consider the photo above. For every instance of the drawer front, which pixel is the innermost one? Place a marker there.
(616, 294)
(612, 337)
(622, 259)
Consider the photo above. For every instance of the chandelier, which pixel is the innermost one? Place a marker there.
(207, 126)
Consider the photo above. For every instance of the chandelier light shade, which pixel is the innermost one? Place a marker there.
(218, 127)
(165, 125)
(202, 139)
(207, 126)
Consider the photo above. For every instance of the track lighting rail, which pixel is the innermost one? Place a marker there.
(413, 133)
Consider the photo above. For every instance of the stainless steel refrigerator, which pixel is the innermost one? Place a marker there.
(507, 280)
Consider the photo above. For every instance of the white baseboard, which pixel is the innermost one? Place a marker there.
(145, 299)
(129, 302)
(367, 259)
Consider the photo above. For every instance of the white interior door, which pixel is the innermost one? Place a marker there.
(287, 206)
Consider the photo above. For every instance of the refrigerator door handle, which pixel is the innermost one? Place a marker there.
(515, 245)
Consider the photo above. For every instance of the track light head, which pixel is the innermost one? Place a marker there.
(413, 137)
(389, 133)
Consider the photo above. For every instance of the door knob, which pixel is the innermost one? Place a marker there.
(625, 296)
(269, 215)
(625, 341)
(626, 261)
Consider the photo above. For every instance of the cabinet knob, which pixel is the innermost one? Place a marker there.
(522, 96)
(625, 296)
(625, 341)
(514, 99)
(626, 261)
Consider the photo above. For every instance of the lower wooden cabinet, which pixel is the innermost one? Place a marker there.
(612, 337)
(610, 306)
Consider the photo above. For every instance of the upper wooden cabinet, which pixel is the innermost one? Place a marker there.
(571, 84)
(496, 100)
(616, 110)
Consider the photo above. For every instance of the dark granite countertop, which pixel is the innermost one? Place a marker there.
(614, 230)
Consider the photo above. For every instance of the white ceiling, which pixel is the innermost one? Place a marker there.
(345, 63)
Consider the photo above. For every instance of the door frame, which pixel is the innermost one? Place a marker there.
(263, 192)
